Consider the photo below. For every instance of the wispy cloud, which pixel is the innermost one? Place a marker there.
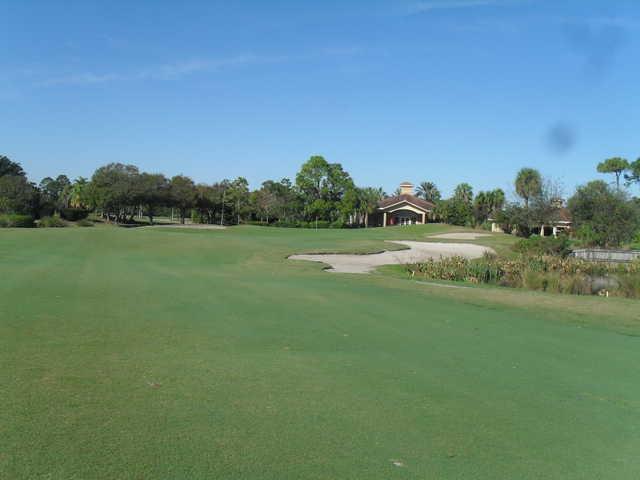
(189, 67)
(158, 72)
(603, 21)
(452, 4)
(428, 6)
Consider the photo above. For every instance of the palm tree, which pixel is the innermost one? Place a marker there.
(464, 193)
(369, 198)
(428, 191)
(528, 184)
(77, 193)
(497, 200)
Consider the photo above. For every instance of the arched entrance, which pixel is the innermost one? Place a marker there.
(405, 217)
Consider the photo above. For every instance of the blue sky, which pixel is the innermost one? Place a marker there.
(448, 91)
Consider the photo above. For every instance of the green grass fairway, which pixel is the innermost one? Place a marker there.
(179, 354)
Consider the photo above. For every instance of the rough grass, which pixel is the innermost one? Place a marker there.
(142, 353)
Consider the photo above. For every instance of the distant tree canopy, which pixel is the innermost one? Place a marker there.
(488, 204)
(633, 177)
(182, 195)
(323, 194)
(118, 192)
(429, 191)
(17, 194)
(602, 216)
(542, 204)
(113, 191)
(151, 193)
(615, 165)
(457, 210)
(528, 184)
(55, 193)
(7, 167)
(322, 186)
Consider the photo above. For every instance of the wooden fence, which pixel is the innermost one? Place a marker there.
(609, 256)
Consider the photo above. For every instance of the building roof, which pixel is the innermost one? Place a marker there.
(418, 202)
(564, 215)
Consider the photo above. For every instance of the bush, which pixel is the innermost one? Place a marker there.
(603, 216)
(257, 223)
(337, 224)
(537, 245)
(486, 225)
(628, 286)
(74, 214)
(51, 222)
(84, 223)
(301, 224)
(576, 284)
(533, 280)
(286, 224)
(16, 221)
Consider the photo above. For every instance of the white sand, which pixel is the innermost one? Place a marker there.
(461, 235)
(417, 252)
(196, 226)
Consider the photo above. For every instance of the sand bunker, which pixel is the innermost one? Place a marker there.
(195, 226)
(417, 252)
(461, 235)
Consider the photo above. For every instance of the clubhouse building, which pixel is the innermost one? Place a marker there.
(403, 209)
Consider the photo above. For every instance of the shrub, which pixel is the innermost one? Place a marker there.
(576, 284)
(486, 225)
(534, 280)
(258, 223)
(537, 245)
(301, 224)
(554, 282)
(74, 214)
(51, 222)
(603, 216)
(84, 223)
(628, 286)
(16, 221)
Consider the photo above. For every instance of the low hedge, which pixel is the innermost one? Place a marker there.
(74, 214)
(302, 224)
(16, 221)
(299, 224)
(51, 222)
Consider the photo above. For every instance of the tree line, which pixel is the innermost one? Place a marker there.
(323, 194)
